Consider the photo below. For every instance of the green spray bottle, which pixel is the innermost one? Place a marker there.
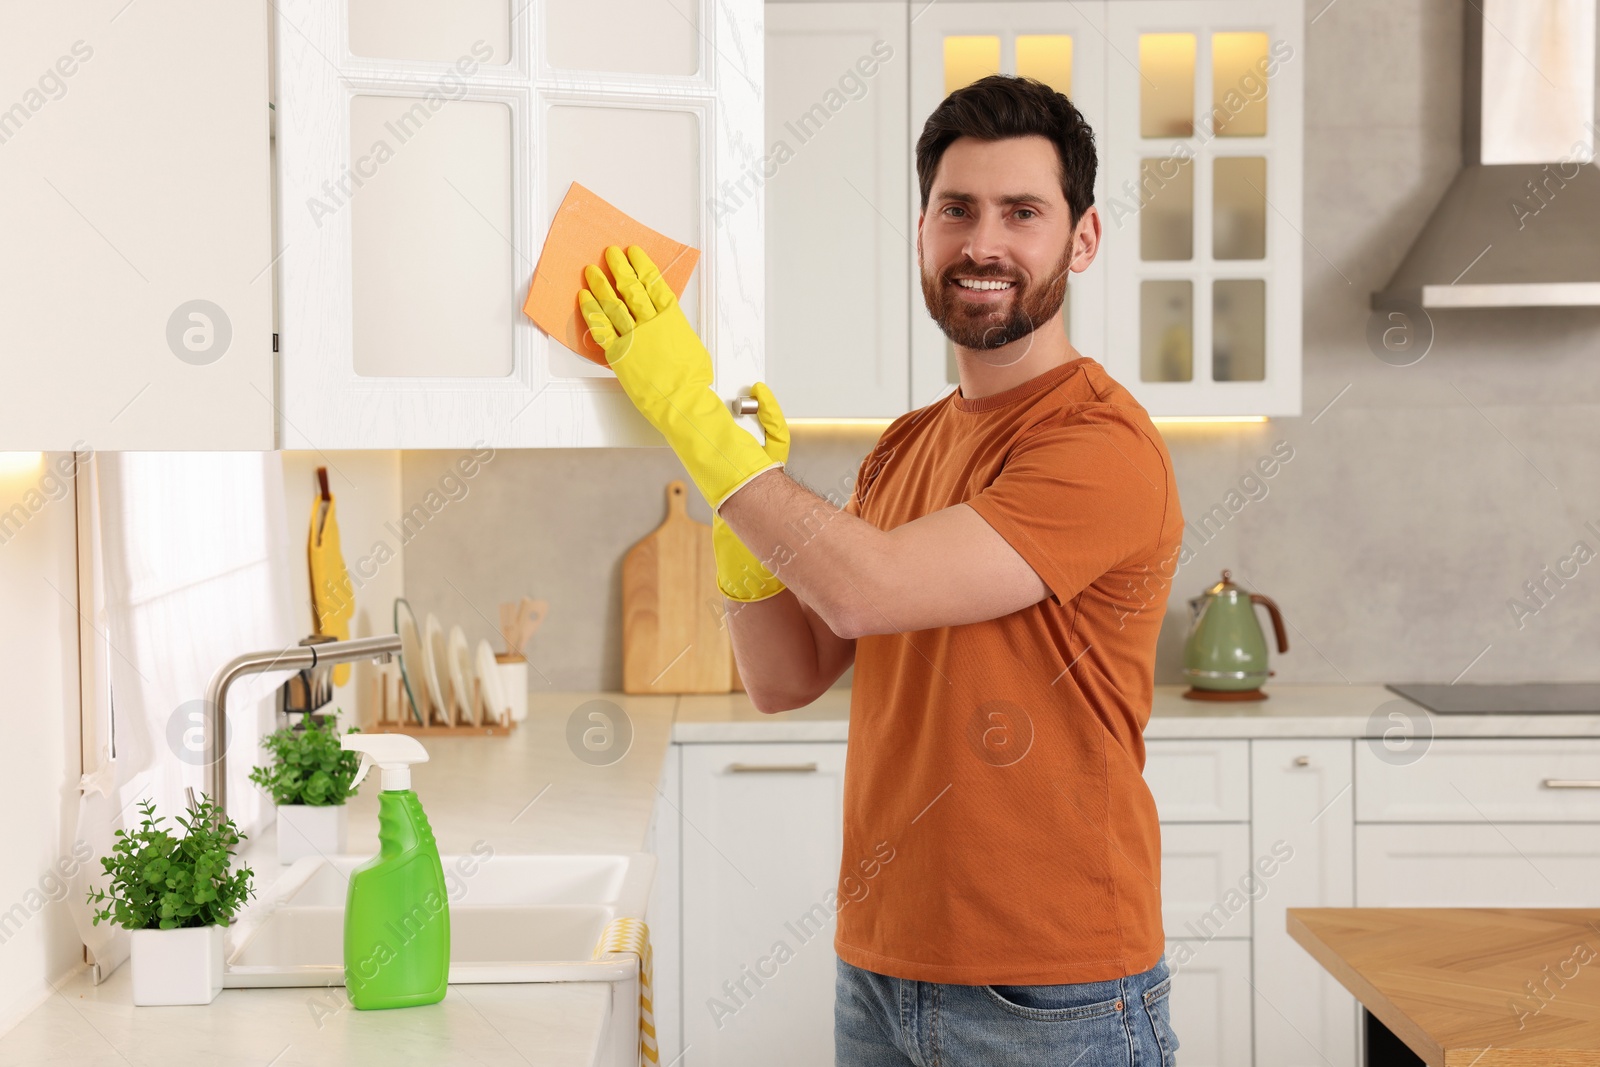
(397, 913)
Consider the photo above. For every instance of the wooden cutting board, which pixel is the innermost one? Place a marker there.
(673, 637)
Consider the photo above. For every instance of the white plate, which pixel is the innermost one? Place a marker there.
(461, 676)
(493, 692)
(411, 660)
(435, 655)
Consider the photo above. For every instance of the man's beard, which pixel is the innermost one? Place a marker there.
(981, 326)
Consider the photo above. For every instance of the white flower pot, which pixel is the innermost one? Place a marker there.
(177, 966)
(311, 830)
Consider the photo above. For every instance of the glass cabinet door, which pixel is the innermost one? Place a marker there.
(1202, 160)
(423, 150)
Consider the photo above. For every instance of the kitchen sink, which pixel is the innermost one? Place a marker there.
(496, 881)
(527, 918)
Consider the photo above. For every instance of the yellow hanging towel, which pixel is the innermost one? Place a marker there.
(333, 598)
(624, 935)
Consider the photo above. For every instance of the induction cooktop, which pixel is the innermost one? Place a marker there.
(1515, 698)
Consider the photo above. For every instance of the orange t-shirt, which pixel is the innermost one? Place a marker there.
(997, 826)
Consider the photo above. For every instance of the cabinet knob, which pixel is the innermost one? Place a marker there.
(745, 405)
(1302, 761)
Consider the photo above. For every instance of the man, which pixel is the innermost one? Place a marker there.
(998, 578)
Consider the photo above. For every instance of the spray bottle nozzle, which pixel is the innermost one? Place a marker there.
(393, 753)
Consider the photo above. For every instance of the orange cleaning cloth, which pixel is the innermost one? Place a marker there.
(584, 226)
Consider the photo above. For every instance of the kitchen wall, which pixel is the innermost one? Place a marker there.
(1421, 499)
(1415, 505)
(39, 762)
(373, 540)
(554, 524)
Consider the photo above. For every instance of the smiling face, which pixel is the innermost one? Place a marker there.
(997, 220)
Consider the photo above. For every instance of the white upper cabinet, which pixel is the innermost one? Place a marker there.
(135, 226)
(1201, 195)
(156, 240)
(837, 241)
(422, 151)
(1194, 301)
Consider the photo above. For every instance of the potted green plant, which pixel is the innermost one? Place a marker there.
(175, 896)
(309, 780)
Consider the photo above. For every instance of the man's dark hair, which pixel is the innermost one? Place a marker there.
(1005, 105)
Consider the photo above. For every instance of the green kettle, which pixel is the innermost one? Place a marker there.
(1225, 654)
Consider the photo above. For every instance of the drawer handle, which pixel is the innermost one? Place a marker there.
(771, 768)
(1572, 783)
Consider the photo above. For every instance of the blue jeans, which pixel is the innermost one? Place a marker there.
(881, 1021)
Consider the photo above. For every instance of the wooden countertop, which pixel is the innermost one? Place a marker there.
(1469, 987)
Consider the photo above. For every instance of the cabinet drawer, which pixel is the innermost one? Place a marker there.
(1207, 880)
(1199, 781)
(1480, 781)
(1513, 865)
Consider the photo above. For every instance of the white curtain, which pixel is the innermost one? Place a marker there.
(191, 568)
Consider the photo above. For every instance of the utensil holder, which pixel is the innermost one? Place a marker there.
(514, 683)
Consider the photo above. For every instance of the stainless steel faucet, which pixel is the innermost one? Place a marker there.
(300, 657)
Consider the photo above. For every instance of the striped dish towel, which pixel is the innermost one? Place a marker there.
(633, 935)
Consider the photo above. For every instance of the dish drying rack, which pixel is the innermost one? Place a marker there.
(394, 710)
(472, 713)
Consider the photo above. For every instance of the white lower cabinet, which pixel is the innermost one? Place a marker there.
(1199, 781)
(1479, 822)
(751, 832)
(1479, 780)
(1202, 868)
(1301, 848)
(1449, 865)
(1202, 793)
(748, 838)
(1210, 1000)
(762, 833)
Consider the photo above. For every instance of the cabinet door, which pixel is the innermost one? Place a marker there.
(1204, 892)
(1486, 865)
(1202, 163)
(1469, 779)
(1302, 830)
(836, 280)
(422, 154)
(136, 222)
(1059, 42)
(762, 833)
(1199, 780)
(1210, 1002)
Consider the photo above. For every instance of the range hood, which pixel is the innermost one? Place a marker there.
(1520, 225)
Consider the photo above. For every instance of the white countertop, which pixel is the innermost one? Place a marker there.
(1289, 711)
(530, 793)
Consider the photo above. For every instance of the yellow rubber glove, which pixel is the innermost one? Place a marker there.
(740, 574)
(667, 373)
